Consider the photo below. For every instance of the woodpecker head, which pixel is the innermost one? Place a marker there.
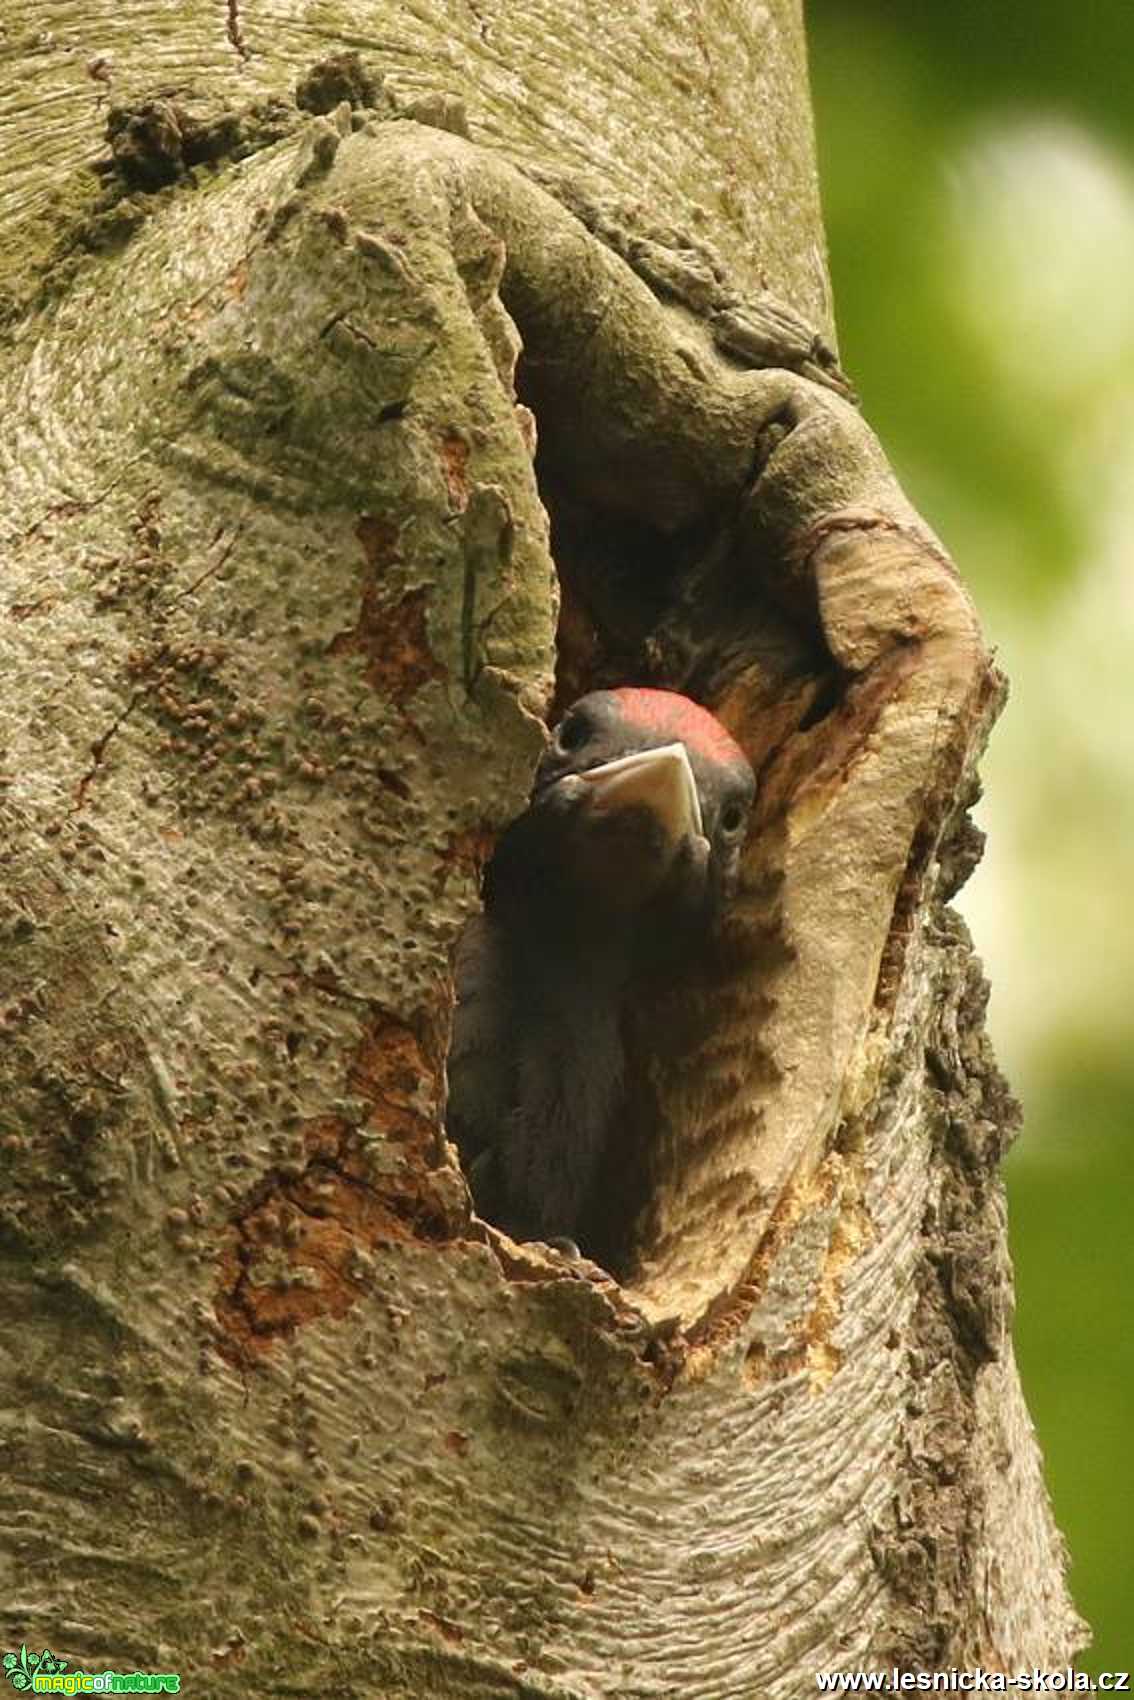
(642, 796)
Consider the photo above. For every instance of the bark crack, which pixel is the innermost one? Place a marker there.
(235, 29)
(98, 752)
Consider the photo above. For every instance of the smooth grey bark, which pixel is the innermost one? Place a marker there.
(281, 611)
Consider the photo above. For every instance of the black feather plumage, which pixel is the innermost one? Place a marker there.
(616, 869)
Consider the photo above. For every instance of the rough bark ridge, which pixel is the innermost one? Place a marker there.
(280, 623)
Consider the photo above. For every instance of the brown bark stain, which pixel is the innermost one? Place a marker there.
(396, 640)
(302, 1242)
(399, 1074)
(454, 468)
(391, 632)
(379, 539)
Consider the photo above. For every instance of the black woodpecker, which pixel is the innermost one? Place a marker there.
(619, 867)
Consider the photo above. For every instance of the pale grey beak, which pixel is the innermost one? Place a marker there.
(660, 780)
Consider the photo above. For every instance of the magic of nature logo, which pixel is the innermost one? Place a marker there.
(47, 1673)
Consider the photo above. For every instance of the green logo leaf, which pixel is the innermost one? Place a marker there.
(20, 1667)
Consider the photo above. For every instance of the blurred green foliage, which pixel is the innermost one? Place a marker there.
(1070, 1204)
(977, 163)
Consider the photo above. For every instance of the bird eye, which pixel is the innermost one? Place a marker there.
(573, 733)
(732, 818)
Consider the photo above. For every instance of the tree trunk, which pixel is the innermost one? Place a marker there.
(289, 587)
